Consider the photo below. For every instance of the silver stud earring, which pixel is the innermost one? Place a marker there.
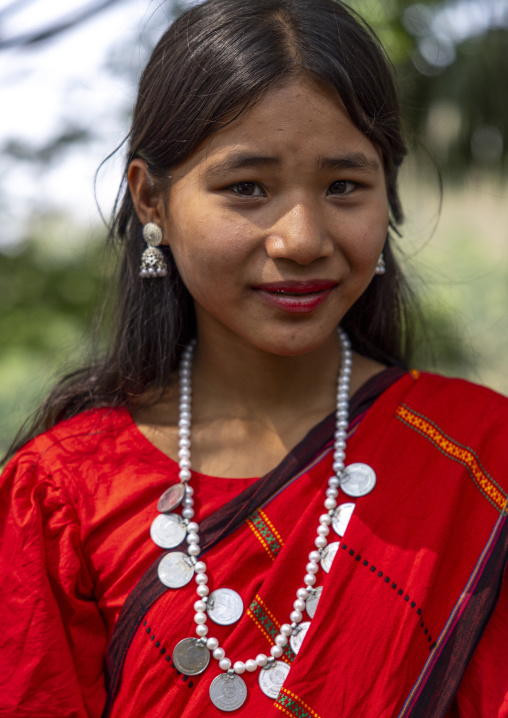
(153, 263)
(380, 266)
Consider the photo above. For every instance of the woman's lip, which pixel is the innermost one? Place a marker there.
(295, 302)
(299, 287)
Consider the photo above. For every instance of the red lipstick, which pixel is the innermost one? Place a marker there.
(298, 297)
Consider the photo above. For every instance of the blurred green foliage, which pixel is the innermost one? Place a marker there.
(50, 294)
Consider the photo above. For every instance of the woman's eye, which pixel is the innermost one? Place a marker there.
(342, 187)
(247, 189)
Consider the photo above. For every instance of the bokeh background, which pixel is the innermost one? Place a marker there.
(68, 74)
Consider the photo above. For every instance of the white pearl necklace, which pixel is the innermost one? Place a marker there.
(330, 504)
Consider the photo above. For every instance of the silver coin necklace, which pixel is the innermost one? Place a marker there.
(224, 606)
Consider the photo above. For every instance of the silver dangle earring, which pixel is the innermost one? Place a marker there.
(153, 263)
(380, 266)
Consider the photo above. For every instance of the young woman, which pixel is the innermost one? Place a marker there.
(242, 507)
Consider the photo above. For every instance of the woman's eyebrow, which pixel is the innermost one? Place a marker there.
(351, 160)
(241, 160)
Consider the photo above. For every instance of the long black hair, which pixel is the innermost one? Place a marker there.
(212, 64)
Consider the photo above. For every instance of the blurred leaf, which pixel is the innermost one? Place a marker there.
(49, 152)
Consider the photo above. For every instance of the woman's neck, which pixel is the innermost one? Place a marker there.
(242, 380)
(249, 408)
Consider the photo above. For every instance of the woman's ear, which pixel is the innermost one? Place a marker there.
(146, 199)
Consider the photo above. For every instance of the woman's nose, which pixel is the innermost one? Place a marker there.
(299, 235)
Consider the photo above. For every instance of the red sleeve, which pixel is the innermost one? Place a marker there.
(483, 692)
(53, 637)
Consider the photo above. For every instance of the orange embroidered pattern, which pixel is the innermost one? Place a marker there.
(266, 532)
(467, 457)
(289, 703)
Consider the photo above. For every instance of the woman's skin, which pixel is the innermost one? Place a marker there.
(291, 191)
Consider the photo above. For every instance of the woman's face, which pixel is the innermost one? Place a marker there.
(276, 223)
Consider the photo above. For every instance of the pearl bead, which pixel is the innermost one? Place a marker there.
(225, 664)
(276, 651)
(286, 629)
(200, 617)
(320, 542)
(187, 513)
(201, 630)
(323, 530)
(296, 616)
(325, 520)
(333, 482)
(188, 500)
(302, 593)
(192, 538)
(212, 643)
(309, 579)
(184, 475)
(315, 556)
(332, 493)
(201, 579)
(193, 527)
(299, 605)
(202, 591)
(281, 640)
(194, 550)
(312, 567)
(261, 660)
(219, 653)
(184, 464)
(239, 667)
(200, 567)
(330, 504)
(200, 606)
(184, 454)
(251, 665)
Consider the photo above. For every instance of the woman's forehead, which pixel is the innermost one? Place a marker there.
(296, 121)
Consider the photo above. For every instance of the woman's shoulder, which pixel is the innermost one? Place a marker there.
(82, 431)
(456, 415)
(74, 444)
(445, 392)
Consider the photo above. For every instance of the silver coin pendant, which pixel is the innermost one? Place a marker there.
(341, 518)
(228, 692)
(171, 498)
(358, 480)
(297, 638)
(191, 656)
(312, 601)
(328, 555)
(175, 569)
(168, 530)
(272, 677)
(224, 606)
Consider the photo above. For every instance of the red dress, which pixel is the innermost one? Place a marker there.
(410, 595)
